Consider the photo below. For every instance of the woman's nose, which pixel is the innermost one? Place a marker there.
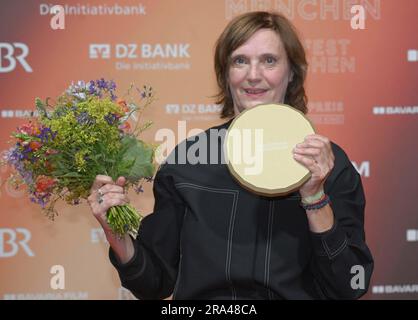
(254, 72)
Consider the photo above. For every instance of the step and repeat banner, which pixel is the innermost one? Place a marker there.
(363, 94)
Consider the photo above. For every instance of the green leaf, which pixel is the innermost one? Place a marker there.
(24, 136)
(40, 106)
(62, 174)
(137, 160)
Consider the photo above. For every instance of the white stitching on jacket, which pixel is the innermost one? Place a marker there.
(180, 261)
(268, 249)
(235, 194)
(337, 251)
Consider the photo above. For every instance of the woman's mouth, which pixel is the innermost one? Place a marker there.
(255, 93)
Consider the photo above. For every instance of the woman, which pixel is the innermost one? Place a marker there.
(208, 238)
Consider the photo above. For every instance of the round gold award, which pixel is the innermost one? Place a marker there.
(258, 148)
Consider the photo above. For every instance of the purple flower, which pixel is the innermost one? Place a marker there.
(40, 198)
(84, 118)
(92, 88)
(46, 134)
(139, 189)
(98, 87)
(15, 157)
(111, 118)
(112, 85)
(101, 84)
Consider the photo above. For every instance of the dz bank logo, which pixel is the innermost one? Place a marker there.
(10, 54)
(11, 240)
(134, 51)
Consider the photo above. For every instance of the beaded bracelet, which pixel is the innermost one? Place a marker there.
(317, 205)
(315, 198)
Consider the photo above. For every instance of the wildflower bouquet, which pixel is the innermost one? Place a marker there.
(86, 132)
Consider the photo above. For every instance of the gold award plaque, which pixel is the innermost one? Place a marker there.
(258, 148)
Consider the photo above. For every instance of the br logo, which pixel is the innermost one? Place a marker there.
(11, 240)
(12, 52)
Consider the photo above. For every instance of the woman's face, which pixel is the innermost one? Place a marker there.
(259, 71)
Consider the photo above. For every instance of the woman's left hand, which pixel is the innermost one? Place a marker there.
(316, 155)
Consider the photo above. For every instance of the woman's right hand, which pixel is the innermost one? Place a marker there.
(111, 194)
(104, 194)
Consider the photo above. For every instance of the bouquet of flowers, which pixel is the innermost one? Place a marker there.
(85, 132)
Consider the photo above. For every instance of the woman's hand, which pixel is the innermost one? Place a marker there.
(106, 193)
(316, 155)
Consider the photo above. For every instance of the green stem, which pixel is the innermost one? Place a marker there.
(123, 220)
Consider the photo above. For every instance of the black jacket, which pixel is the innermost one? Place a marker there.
(209, 238)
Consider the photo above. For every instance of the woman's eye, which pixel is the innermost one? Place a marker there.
(270, 60)
(239, 60)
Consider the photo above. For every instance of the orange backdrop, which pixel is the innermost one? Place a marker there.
(362, 89)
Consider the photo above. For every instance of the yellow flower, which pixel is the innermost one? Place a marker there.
(80, 161)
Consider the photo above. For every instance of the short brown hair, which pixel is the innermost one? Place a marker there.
(237, 32)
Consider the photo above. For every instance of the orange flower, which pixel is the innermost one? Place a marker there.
(48, 166)
(125, 126)
(35, 145)
(123, 105)
(44, 183)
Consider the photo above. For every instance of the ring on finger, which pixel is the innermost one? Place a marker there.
(100, 196)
